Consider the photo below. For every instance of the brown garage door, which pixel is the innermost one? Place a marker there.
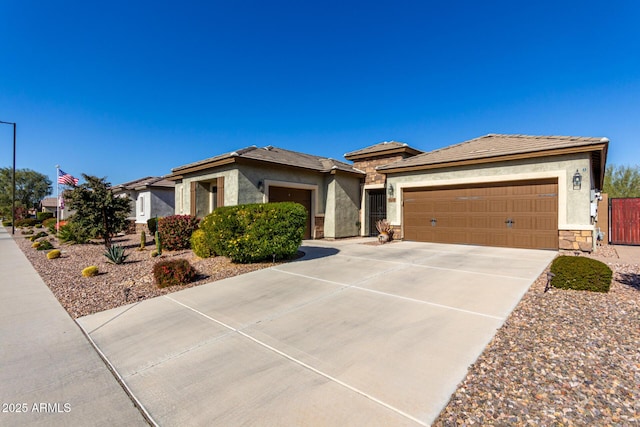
(508, 214)
(283, 194)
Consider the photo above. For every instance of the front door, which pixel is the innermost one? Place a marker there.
(377, 209)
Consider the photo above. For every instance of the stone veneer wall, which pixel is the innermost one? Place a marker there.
(576, 240)
(319, 228)
(368, 166)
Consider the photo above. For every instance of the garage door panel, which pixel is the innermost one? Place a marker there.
(478, 214)
(301, 196)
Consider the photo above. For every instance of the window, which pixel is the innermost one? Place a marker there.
(141, 203)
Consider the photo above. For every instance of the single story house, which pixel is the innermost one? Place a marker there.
(519, 191)
(50, 204)
(329, 189)
(149, 197)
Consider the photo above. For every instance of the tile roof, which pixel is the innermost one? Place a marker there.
(149, 181)
(273, 155)
(49, 202)
(382, 148)
(494, 146)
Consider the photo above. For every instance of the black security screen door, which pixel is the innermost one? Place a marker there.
(377, 209)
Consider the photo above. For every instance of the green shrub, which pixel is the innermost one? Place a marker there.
(152, 224)
(26, 222)
(6, 223)
(50, 223)
(40, 235)
(199, 244)
(53, 254)
(174, 272)
(90, 271)
(115, 254)
(27, 232)
(72, 233)
(42, 216)
(580, 273)
(44, 245)
(176, 230)
(255, 232)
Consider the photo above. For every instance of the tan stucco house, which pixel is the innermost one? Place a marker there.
(327, 188)
(519, 191)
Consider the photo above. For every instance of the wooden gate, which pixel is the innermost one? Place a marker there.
(624, 221)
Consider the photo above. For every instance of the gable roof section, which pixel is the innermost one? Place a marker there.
(382, 149)
(271, 155)
(144, 183)
(498, 147)
(49, 202)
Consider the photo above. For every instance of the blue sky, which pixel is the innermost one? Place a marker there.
(126, 89)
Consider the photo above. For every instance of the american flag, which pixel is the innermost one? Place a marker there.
(67, 179)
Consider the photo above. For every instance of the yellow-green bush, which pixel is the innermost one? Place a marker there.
(90, 271)
(53, 254)
(581, 274)
(255, 232)
(199, 245)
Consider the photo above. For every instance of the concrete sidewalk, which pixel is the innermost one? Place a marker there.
(50, 375)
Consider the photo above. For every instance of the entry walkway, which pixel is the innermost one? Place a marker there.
(49, 373)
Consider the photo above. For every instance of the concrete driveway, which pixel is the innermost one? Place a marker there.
(352, 334)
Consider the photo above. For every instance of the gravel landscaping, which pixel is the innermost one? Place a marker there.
(117, 285)
(562, 358)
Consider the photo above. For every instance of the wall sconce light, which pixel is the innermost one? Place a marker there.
(577, 180)
(261, 186)
(390, 190)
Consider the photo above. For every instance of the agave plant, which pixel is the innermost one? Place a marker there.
(115, 254)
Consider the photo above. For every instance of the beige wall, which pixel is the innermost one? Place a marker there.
(342, 208)
(573, 205)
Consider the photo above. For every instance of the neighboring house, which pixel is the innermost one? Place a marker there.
(50, 204)
(327, 188)
(149, 197)
(520, 191)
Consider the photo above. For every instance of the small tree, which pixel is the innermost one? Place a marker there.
(622, 181)
(98, 210)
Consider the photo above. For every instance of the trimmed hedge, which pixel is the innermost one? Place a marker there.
(41, 216)
(255, 232)
(580, 273)
(26, 222)
(176, 230)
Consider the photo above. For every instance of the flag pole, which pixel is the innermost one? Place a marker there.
(57, 200)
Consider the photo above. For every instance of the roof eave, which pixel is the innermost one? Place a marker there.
(178, 173)
(382, 153)
(520, 156)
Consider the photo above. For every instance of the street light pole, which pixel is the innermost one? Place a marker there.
(13, 180)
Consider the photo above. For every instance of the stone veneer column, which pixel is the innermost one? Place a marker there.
(576, 240)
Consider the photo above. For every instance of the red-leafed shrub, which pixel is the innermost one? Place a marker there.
(174, 272)
(175, 231)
